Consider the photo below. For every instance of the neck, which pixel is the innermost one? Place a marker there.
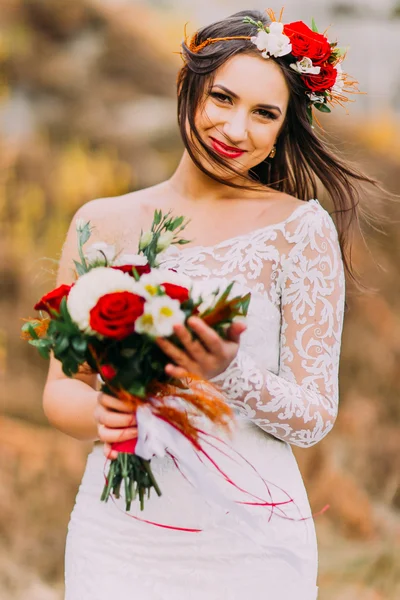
(192, 184)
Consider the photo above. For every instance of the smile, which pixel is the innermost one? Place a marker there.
(226, 151)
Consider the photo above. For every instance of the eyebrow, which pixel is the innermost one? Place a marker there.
(268, 106)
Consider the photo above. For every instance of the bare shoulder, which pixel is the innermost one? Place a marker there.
(121, 217)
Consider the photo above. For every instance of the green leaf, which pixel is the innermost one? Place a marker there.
(313, 26)
(137, 389)
(79, 344)
(176, 223)
(79, 268)
(157, 217)
(29, 327)
(61, 344)
(135, 274)
(85, 233)
(322, 107)
(309, 114)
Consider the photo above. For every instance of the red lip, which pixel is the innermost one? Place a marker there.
(224, 150)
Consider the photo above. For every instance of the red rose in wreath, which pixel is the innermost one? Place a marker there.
(323, 81)
(115, 314)
(306, 42)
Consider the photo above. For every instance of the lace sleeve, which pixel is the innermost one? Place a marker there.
(299, 404)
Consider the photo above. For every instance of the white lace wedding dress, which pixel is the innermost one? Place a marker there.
(284, 388)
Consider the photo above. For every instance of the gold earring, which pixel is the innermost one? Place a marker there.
(272, 154)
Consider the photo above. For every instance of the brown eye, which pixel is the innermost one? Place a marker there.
(267, 114)
(220, 97)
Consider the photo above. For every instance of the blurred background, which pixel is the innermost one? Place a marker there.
(87, 109)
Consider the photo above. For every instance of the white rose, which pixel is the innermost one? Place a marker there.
(165, 240)
(305, 65)
(145, 239)
(160, 315)
(90, 287)
(100, 252)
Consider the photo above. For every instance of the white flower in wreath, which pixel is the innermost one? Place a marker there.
(275, 43)
(316, 98)
(305, 65)
(160, 315)
(339, 83)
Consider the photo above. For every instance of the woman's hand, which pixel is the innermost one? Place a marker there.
(116, 422)
(207, 358)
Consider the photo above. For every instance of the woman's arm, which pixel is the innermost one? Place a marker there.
(299, 404)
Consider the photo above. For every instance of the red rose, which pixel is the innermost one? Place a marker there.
(128, 269)
(108, 371)
(52, 300)
(323, 81)
(115, 314)
(176, 292)
(306, 42)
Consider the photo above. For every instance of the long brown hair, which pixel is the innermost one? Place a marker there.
(302, 158)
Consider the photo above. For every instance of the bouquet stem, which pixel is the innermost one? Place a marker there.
(136, 475)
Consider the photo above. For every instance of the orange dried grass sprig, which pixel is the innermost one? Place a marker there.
(40, 326)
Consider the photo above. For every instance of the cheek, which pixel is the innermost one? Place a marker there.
(264, 137)
(208, 116)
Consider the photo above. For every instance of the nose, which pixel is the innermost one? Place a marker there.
(235, 126)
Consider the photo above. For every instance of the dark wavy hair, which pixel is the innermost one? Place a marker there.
(302, 158)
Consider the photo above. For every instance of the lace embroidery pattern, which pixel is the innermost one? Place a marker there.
(296, 267)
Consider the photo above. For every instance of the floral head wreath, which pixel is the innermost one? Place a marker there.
(317, 61)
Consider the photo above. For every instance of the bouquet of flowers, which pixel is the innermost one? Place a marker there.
(108, 321)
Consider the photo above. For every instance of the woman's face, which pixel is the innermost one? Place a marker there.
(244, 109)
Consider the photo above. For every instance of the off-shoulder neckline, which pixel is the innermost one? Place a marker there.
(249, 234)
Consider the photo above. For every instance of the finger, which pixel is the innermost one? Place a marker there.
(109, 453)
(111, 436)
(210, 338)
(194, 348)
(235, 331)
(123, 406)
(178, 356)
(177, 372)
(113, 419)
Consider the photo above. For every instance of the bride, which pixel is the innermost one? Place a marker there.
(247, 95)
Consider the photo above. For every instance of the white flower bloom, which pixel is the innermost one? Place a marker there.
(150, 281)
(145, 239)
(275, 43)
(89, 288)
(339, 83)
(100, 252)
(305, 65)
(315, 98)
(165, 240)
(206, 288)
(139, 260)
(160, 315)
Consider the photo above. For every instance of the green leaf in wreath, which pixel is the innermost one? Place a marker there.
(322, 107)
